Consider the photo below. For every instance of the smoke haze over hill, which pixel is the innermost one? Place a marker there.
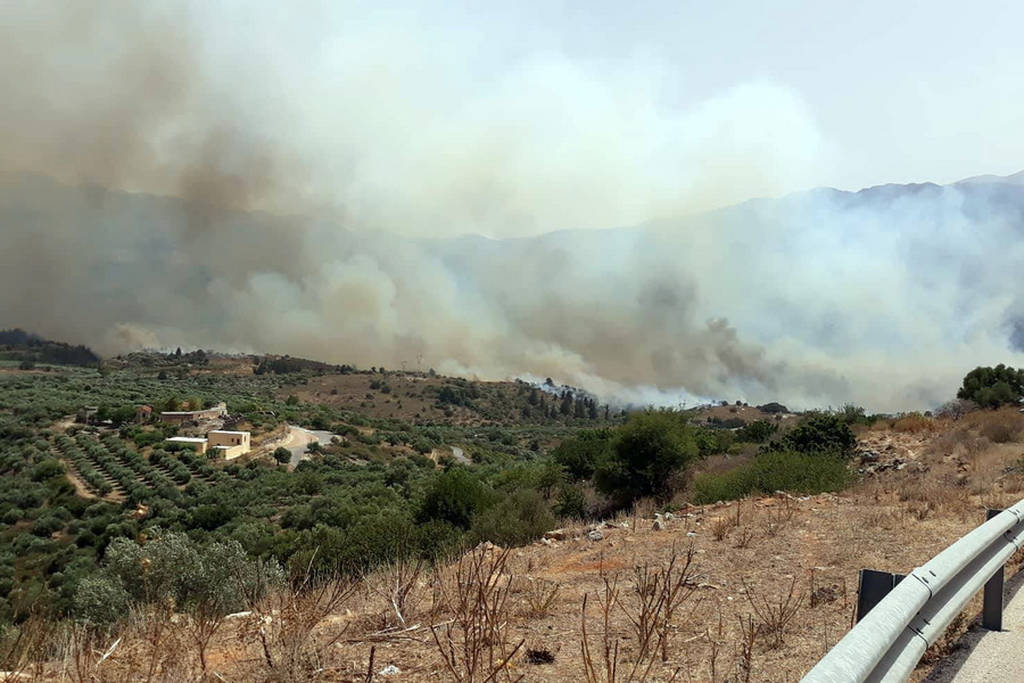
(315, 196)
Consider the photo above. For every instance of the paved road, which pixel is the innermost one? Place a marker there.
(988, 656)
(298, 441)
(460, 456)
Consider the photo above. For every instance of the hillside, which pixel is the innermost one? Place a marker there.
(739, 303)
(762, 585)
(28, 349)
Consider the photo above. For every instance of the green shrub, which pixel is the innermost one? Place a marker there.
(776, 471)
(571, 502)
(453, 497)
(648, 454)
(819, 433)
(758, 431)
(516, 520)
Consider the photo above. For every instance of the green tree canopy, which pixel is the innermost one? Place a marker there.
(992, 387)
(647, 455)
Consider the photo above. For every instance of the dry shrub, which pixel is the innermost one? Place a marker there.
(474, 643)
(539, 597)
(743, 537)
(774, 616)
(914, 423)
(397, 586)
(283, 626)
(1001, 426)
(22, 646)
(961, 441)
(721, 526)
(921, 510)
(151, 647)
(651, 608)
(776, 518)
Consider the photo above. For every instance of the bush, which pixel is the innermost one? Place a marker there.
(517, 520)
(647, 455)
(580, 455)
(453, 497)
(282, 455)
(571, 502)
(778, 471)
(758, 431)
(819, 433)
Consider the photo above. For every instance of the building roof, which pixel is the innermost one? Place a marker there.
(187, 439)
(227, 431)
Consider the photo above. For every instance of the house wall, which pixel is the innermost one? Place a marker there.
(231, 452)
(236, 443)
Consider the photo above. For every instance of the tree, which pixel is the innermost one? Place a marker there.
(580, 455)
(992, 387)
(648, 453)
(282, 455)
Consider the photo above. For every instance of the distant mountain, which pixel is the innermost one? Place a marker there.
(883, 297)
(1014, 179)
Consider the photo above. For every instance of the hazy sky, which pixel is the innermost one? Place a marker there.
(879, 91)
(505, 119)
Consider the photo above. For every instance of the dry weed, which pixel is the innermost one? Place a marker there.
(397, 586)
(774, 616)
(540, 597)
(474, 644)
(282, 625)
(651, 608)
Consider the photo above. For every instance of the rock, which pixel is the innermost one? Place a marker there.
(610, 525)
(658, 525)
(669, 516)
(557, 535)
(595, 535)
(691, 534)
(624, 525)
(868, 456)
(389, 670)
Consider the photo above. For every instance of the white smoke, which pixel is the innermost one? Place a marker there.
(373, 142)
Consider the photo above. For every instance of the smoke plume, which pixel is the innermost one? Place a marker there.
(369, 188)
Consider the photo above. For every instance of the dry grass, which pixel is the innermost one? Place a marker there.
(914, 423)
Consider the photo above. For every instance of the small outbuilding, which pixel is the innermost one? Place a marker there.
(198, 443)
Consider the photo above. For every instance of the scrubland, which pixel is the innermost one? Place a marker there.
(755, 589)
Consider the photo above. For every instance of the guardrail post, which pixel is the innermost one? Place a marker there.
(992, 601)
(873, 586)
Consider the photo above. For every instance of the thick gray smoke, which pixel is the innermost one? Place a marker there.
(167, 181)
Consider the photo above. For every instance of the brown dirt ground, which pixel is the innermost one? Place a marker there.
(412, 397)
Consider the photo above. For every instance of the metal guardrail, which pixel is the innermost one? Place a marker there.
(889, 641)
